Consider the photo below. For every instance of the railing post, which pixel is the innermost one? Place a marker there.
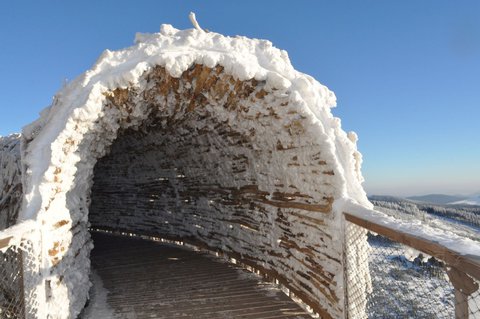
(22, 284)
(461, 305)
(464, 287)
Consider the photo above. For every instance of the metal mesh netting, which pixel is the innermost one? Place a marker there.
(358, 279)
(11, 284)
(16, 262)
(404, 283)
(31, 268)
(474, 303)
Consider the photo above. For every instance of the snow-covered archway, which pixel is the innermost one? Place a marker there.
(193, 135)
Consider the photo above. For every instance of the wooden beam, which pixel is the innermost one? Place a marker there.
(4, 242)
(461, 305)
(469, 264)
(461, 281)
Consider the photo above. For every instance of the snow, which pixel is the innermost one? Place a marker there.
(193, 19)
(177, 50)
(17, 233)
(10, 179)
(98, 306)
(416, 228)
(404, 287)
(473, 200)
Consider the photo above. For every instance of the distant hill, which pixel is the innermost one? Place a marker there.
(439, 199)
(387, 198)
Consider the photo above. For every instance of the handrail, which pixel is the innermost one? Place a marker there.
(462, 268)
(5, 242)
(468, 263)
(14, 234)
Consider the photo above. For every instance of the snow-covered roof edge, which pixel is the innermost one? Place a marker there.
(177, 50)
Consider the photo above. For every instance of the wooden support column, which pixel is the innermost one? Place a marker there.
(22, 284)
(461, 305)
(464, 286)
(5, 242)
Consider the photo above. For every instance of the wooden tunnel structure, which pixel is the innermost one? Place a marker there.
(190, 136)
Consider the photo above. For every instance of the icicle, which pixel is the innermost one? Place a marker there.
(194, 21)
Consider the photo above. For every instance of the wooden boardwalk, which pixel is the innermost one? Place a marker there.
(146, 279)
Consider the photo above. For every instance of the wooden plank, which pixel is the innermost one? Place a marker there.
(244, 260)
(464, 287)
(147, 279)
(4, 242)
(461, 281)
(461, 305)
(468, 264)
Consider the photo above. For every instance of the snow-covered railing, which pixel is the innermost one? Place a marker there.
(415, 271)
(19, 266)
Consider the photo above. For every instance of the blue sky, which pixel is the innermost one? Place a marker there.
(406, 73)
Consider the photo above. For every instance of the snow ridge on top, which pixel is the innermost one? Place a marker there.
(177, 50)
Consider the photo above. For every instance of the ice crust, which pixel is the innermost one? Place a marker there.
(10, 179)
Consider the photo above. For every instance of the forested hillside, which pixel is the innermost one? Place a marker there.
(461, 219)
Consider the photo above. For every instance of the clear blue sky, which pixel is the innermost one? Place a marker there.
(406, 73)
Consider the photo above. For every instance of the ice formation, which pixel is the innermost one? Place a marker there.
(10, 180)
(193, 135)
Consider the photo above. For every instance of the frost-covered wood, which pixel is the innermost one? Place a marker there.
(228, 167)
(10, 180)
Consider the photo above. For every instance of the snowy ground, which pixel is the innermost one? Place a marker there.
(98, 306)
(406, 283)
(411, 211)
(404, 288)
(409, 285)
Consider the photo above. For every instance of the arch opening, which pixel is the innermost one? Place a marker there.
(223, 164)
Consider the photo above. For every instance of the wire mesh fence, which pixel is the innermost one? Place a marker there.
(11, 284)
(18, 262)
(474, 303)
(403, 282)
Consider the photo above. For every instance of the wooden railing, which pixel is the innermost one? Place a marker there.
(463, 270)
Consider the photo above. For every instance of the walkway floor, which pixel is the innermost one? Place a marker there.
(146, 279)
